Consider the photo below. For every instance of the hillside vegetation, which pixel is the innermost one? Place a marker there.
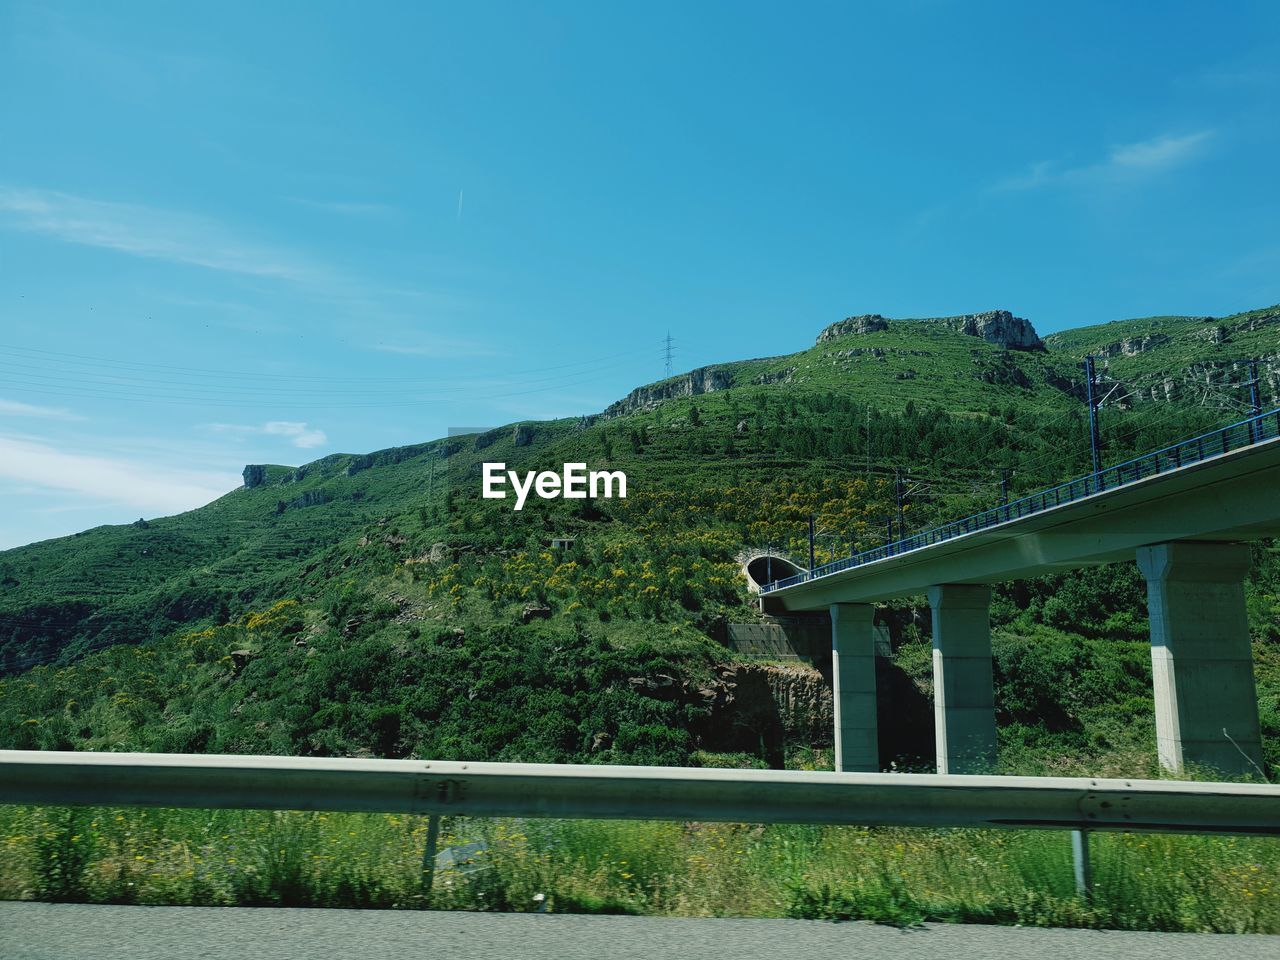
(376, 605)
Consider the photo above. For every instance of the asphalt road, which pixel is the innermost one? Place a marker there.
(40, 931)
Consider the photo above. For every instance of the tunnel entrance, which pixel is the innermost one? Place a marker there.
(763, 570)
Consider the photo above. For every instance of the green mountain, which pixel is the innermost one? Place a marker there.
(377, 604)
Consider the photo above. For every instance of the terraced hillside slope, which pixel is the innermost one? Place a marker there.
(376, 604)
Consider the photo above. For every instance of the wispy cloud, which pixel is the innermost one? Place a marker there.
(352, 303)
(347, 208)
(152, 488)
(176, 237)
(1130, 162)
(1160, 153)
(14, 408)
(1037, 175)
(150, 232)
(298, 433)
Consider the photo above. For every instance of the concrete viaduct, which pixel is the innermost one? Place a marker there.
(1186, 514)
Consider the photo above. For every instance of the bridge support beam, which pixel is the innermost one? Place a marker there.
(1201, 659)
(853, 687)
(964, 712)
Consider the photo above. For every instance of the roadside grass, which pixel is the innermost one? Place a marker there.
(887, 875)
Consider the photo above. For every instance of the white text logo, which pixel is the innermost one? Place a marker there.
(574, 483)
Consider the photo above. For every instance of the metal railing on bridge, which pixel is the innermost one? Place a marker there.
(1216, 443)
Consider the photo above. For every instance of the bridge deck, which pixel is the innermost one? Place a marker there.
(1232, 496)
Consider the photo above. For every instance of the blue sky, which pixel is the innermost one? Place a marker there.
(265, 232)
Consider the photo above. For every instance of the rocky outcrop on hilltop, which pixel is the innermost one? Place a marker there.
(995, 326)
(866, 323)
(692, 384)
(255, 475)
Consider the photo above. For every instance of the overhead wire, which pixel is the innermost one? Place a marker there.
(52, 373)
(42, 389)
(84, 359)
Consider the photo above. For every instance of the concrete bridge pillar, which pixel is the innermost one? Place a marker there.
(964, 713)
(853, 687)
(1201, 659)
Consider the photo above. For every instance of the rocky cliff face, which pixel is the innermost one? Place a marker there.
(866, 323)
(384, 458)
(692, 384)
(995, 326)
(1132, 346)
(751, 707)
(1212, 381)
(802, 699)
(255, 475)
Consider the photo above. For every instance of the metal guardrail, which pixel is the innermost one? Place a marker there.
(1207, 446)
(640, 793)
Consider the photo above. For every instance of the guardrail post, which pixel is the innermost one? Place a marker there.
(1081, 863)
(1201, 656)
(963, 693)
(429, 854)
(853, 687)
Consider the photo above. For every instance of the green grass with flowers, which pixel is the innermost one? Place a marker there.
(894, 876)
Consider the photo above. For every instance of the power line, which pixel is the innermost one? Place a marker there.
(80, 360)
(1094, 439)
(1145, 422)
(374, 389)
(104, 392)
